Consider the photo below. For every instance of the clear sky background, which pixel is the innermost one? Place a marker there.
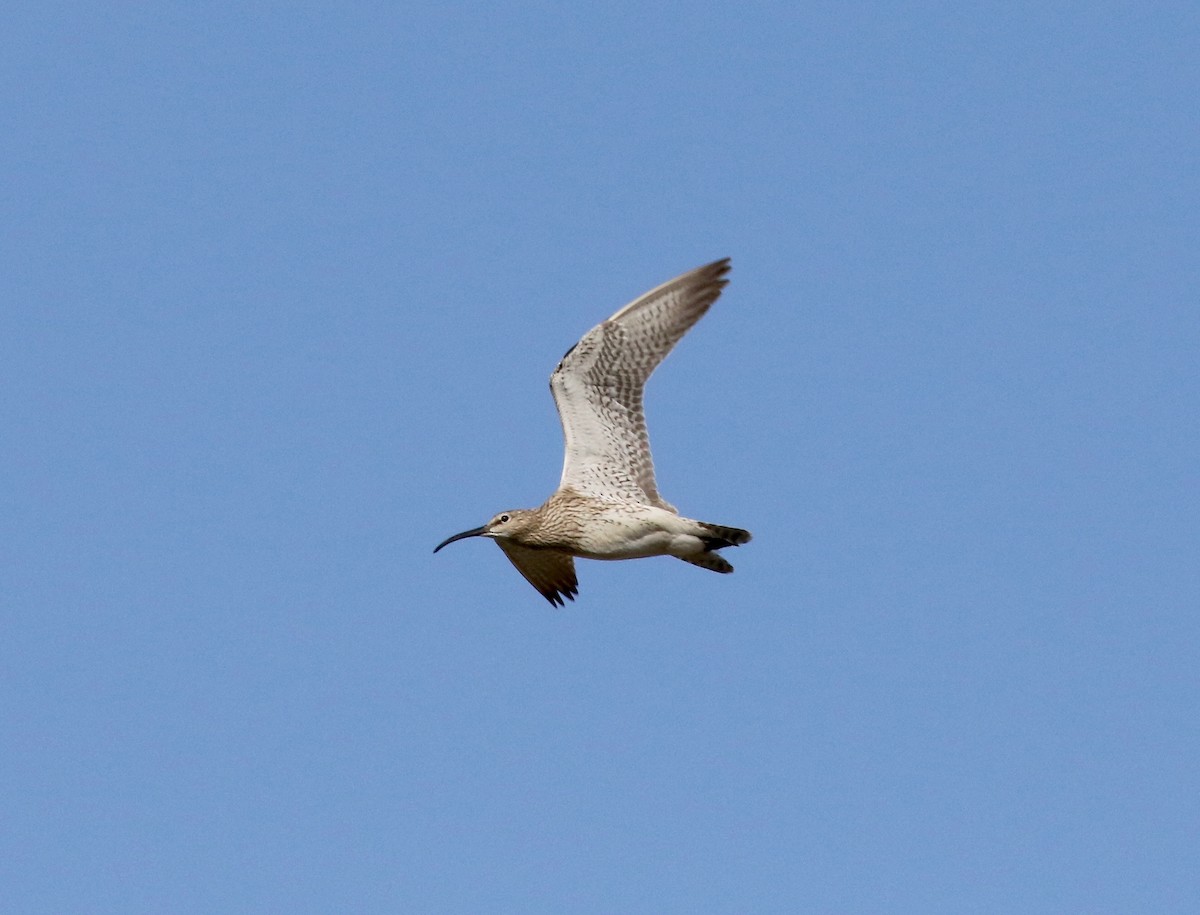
(281, 286)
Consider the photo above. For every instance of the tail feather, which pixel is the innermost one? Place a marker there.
(717, 537)
(709, 561)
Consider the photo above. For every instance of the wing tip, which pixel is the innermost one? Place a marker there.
(717, 273)
(703, 285)
(556, 595)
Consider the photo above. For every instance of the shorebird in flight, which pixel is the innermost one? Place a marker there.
(607, 505)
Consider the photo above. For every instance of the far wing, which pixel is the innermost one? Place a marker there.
(598, 387)
(551, 572)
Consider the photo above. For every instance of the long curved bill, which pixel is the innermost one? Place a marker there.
(474, 532)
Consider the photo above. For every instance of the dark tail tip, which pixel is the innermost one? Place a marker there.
(717, 537)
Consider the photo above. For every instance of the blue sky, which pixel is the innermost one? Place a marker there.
(282, 286)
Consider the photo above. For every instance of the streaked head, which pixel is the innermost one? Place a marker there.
(500, 527)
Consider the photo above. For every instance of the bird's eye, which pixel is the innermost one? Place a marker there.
(503, 518)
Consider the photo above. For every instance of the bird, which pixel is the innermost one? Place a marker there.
(607, 505)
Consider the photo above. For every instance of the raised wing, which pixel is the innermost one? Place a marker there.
(598, 387)
(551, 572)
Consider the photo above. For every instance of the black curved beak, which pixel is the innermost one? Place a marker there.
(474, 532)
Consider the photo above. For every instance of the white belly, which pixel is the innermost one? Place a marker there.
(634, 532)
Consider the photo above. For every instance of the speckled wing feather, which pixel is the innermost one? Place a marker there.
(551, 572)
(598, 387)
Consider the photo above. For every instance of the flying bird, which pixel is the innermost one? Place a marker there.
(607, 505)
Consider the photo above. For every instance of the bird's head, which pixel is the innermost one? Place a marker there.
(504, 525)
